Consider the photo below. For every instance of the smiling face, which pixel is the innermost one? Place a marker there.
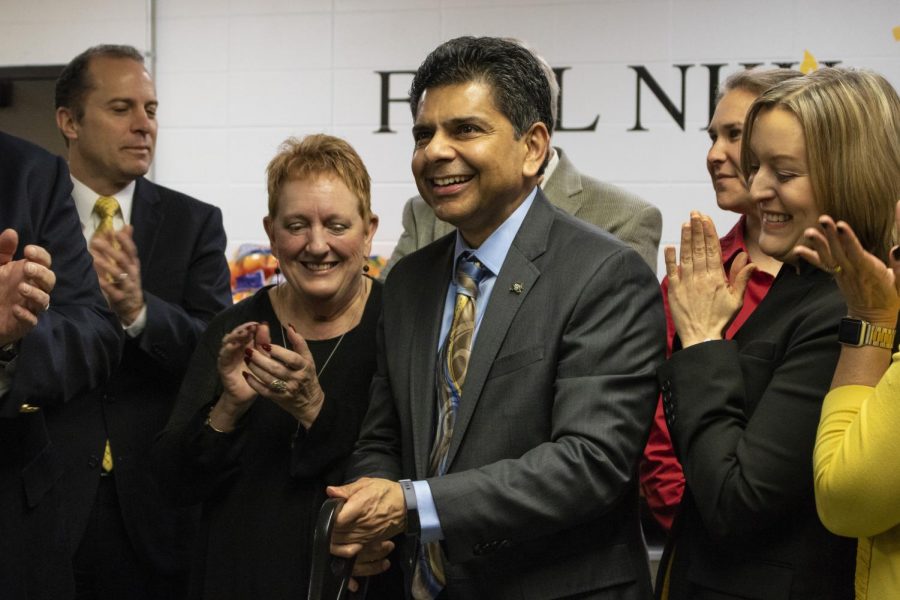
(724, 157)
(113, 142)
(320, 239)
(780, 182)
(468, 164)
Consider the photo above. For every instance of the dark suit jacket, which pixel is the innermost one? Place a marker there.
(634, 221)
(181, 246)
(743, 416)
(73, 347)
(540, 497)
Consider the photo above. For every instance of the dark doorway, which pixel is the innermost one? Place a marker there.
(26, 105)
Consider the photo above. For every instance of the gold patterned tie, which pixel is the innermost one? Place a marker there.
(453, 362)
(106, 207)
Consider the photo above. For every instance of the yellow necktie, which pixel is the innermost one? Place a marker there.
(453, 362)
(106, 207)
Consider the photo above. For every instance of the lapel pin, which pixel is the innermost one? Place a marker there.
(517, 288)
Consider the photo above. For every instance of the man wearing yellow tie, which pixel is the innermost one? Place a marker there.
(159, 258)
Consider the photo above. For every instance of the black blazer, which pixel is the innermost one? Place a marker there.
(73, 348)
(540, 498)
(743, 416)
(184, 274)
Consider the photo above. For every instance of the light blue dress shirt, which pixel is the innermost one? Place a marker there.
(492, 253)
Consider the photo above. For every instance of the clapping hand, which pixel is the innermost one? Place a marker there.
(119, 272)
(870, 288)
(25, 287)
(702, 299)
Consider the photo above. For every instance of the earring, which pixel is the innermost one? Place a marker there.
(365, 268)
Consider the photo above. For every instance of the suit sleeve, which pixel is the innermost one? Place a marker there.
(857, 477)
(745, 473)
(77, 342)
(604, 394)
(408, 242)
(642, 232)
(662, 479)
(379, 451)
(173, 328)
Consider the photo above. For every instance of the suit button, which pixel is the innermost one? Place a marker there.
(666, 385)
(93, 462)
(478, 549)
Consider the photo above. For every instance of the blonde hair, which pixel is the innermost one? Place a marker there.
(756, 81)
(851, 123)
(319, 154)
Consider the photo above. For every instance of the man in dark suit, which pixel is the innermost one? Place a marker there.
(522, 445)
(57, 339)
(159, 258)
(631, 219)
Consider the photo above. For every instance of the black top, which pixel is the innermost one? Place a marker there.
(261, 486)
(743, 415)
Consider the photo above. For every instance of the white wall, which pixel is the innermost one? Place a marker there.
(237, 77)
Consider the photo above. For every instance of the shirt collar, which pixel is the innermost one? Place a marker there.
(733, 242)
(494, 249)
(85, 198)
(551, 166)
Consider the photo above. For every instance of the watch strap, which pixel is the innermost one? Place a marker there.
(869, 334)
(413, 526)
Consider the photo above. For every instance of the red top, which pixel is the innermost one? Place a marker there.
(662, 480)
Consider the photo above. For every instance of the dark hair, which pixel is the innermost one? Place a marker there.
(520, 89)
(74, 84)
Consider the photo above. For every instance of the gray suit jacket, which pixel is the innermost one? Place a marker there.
(634, 221)
(540, 498)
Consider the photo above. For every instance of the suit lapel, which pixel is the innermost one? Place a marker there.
(146, 215)
(441, 228)
(423, 359)
(520, 273)
(564, 188)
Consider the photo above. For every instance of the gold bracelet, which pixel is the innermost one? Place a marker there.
(209, 424)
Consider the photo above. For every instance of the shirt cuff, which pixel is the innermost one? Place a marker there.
(428, 518)
(137, 327)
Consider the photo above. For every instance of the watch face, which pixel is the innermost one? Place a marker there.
(850, 331)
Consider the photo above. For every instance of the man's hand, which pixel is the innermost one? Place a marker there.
(374, 512)
(25, 287)
(119, 271)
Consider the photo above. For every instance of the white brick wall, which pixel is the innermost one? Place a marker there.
(235, 78)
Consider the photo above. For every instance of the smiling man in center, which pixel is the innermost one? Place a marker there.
(515, 385)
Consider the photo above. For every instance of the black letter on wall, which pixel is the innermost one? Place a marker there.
(386, 98)
(644, 75)
(558, 71)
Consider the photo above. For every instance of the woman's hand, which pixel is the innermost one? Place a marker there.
(287, 378)
(870, 288)
(702, 299)
(237, 395)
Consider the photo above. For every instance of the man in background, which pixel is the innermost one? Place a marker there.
(159, 259)
(634, 221)
(57, 339)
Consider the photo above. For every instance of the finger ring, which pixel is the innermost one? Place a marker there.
(123, 276)
(835, 269)
(278, 385)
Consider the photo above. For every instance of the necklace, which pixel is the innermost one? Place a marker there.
(327, 360)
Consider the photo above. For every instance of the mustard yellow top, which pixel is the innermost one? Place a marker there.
(857, 478)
